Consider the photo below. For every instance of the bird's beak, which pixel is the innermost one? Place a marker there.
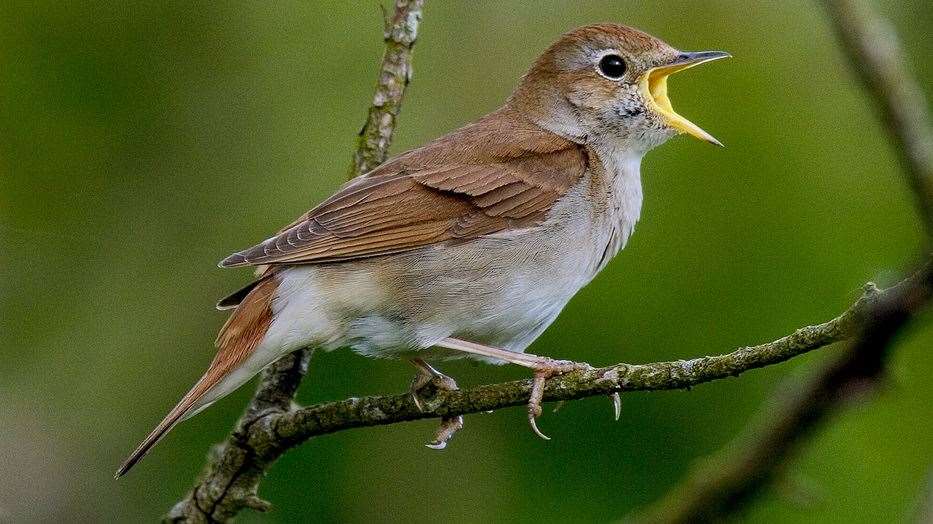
(653, 87)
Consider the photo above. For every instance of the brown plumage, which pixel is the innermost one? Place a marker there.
(499, 173)
(236, 341)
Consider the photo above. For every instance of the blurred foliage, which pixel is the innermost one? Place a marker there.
(141, 142)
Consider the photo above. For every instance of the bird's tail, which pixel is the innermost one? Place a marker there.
(235, 363)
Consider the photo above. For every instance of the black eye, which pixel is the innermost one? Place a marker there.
(612, 66)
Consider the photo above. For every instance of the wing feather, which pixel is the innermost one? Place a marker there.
(463, 186)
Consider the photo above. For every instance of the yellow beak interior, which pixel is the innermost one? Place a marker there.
(653, 86)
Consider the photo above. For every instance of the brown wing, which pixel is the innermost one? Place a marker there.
(460, 187)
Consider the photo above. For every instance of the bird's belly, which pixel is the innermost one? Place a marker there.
(506, 307)
(501, 291)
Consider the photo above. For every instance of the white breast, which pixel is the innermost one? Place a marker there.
(619, 207)
(627, 194)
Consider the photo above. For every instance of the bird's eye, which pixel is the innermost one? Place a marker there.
(612, 66)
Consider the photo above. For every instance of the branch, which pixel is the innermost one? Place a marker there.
(873, 49)
(278, 432)
(230, 478)
(728, 481)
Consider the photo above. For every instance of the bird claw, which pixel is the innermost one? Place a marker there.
(427, 375)
(449, 426)
(543, 371)
(534, 400)
(534, 427)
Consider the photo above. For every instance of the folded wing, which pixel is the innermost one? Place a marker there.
(471, 183)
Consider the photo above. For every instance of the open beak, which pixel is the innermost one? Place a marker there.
(653, 86)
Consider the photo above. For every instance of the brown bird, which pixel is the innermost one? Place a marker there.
(471, 245)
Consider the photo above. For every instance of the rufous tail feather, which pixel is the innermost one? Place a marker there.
(237, 340)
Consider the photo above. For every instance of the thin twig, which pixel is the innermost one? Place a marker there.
(230, 478)
(401, 32)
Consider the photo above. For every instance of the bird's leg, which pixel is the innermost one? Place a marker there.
(543, 367)
(427, 374)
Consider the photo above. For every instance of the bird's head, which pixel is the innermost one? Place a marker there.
(609, 81)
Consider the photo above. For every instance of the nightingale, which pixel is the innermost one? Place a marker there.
(471, 245)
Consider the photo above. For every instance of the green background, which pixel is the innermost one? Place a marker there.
(142, 142)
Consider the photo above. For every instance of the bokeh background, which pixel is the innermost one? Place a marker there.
(141, 142)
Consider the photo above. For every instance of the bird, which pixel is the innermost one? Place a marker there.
(471, 245)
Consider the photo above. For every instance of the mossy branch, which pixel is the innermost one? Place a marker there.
(279, 431)
(297, 425)
(373, 142)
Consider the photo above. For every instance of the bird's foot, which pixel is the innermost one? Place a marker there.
(449, 426)
(544, 369)
(429, 376)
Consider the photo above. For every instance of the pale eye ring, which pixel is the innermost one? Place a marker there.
(612, 66)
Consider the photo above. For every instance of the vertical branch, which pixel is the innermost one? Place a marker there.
(401, 31)
(230, 479)
(874, 52)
